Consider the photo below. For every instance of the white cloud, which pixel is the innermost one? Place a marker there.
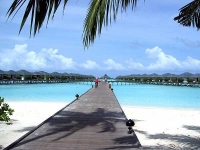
(55, 60)
(51, 60)
(46, 59)
(112, 65)
(134, 65)
(90, 65)
(168, 62)
(163, 61)
(191, 64)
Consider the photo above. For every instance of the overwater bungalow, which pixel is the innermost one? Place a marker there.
(166, 78)
(24, 73)
(23, 76)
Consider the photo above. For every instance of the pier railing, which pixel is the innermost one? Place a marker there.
(125, 82)
(84, 81)
(91, 81)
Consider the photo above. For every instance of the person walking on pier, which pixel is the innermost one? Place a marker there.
(96, 82)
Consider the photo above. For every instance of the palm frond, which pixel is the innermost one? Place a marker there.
(38, 10)
(102, 12)
(190, 14)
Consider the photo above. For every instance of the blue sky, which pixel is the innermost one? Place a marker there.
(145, 40)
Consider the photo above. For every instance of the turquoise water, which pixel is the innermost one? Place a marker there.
(63, 92)
(158, 96)
(132, 95)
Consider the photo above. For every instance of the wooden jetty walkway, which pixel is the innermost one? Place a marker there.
(8, 82)
(94, 121)
(129, 82)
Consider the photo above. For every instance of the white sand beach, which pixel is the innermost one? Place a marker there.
(27, 115)
(155, 127)
(166, 127)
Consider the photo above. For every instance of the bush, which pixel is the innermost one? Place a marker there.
(190, 80)
(5, 111)
(180, 80)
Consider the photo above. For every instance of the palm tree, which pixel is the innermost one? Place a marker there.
(190, 15)
(99, 13)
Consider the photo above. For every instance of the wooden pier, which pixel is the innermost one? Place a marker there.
(116, 82)
(93, 121)
(8, 82)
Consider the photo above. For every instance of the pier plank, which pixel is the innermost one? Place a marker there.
(94, 121)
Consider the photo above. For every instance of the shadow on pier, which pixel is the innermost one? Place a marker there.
(94, 121)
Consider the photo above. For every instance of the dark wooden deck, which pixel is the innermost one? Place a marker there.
(94, 121)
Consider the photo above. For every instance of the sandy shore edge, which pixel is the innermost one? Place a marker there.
(154, 127)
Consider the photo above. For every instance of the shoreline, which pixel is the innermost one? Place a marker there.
(155, 127)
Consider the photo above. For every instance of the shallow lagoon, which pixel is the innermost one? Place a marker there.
(60, 92)
(158, 95)
(131, 95)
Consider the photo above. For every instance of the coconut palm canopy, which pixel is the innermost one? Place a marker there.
(100, 12)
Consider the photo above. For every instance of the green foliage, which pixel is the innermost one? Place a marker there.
(5, 111)
(166, 79)
(63, 77)
(34, 77)
(48, 77)
(145, 79)
(6, 77)
(158, 79)
(99, 13)
(27, 77)
(18, 77)
(174, 79)
(189, 15)
(180, 80)
(72, 78)
(137, 79)
(190, 80)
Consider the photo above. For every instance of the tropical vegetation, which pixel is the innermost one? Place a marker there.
(5, 111)
(100, 13)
